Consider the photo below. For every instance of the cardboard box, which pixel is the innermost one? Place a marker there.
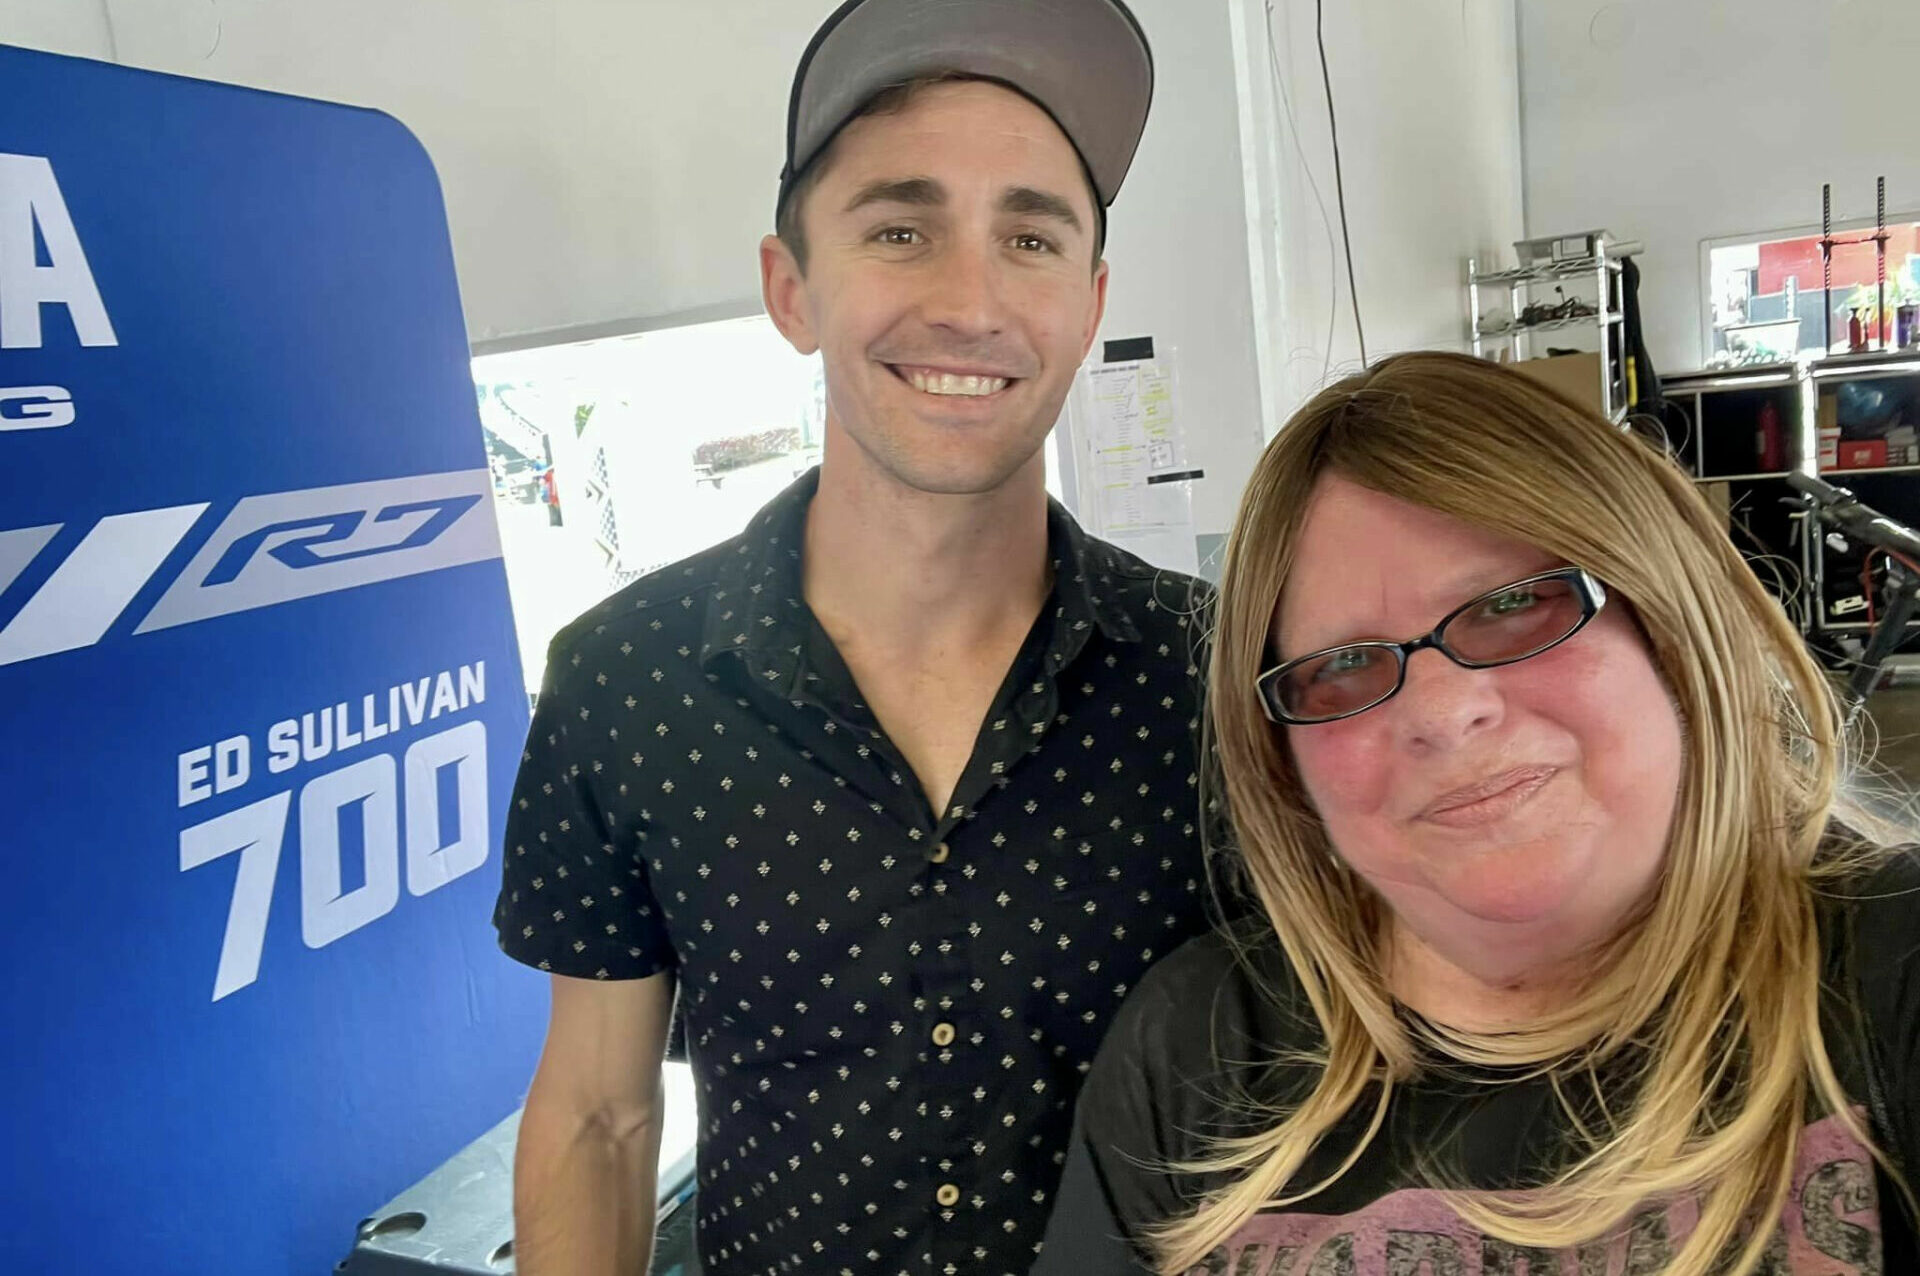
(1829, 448)
(1575, 375)
(1720, 497)
(1903, 446)
(1862, 454)
(1829, 414)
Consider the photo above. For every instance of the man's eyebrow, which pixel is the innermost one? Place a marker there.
(921, 191)
(1025, 201)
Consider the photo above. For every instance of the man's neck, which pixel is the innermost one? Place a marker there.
(911, 571)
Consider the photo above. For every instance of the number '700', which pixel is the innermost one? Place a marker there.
(255, 832)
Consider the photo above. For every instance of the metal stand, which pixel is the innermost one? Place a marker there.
(458, 1221)
(1841, 511)
(1903, 599)
(1828, 243)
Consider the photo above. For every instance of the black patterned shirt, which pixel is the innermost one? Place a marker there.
(888, 1012)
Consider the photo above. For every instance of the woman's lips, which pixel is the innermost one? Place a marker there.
(1491, 800)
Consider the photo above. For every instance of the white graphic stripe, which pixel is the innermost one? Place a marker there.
(20, 547)
(90, 590)
(237, 569)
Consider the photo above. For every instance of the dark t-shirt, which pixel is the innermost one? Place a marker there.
(1183, 1060)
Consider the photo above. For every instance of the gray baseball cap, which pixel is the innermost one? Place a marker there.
(1085, 62)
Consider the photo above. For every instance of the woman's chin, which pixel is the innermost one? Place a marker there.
(1517, 888)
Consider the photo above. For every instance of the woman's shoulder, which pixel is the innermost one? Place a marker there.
(1233, 977)
(1204, 963)
(1871, 916)
(1216, 1018)
(1870, 906)
(1878, 888)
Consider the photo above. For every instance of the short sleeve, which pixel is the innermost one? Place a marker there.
(1085, 1236)
(1150, 1093)
(1887, 958)
(574, 894)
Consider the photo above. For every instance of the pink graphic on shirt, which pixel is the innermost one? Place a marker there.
(1830, 1226)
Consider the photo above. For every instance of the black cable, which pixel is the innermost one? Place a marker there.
(1339, 183)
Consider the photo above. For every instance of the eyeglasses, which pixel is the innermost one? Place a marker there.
(1499, 627)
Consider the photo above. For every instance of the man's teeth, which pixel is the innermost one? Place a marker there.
(950, 383)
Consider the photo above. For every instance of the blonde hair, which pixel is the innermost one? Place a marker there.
(1717, 982)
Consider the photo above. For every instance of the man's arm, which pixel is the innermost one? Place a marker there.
(585, 1168)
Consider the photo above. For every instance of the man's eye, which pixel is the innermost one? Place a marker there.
(1032, 244)
(900, 236)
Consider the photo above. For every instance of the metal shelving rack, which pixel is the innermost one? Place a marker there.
(1800, 386)
(1602, 268)
(1692, 392)
(1757, 496)
(1868, 366)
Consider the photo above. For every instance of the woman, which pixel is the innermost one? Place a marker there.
(1566, 964)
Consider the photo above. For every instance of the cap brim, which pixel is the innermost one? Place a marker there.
(1086, 62)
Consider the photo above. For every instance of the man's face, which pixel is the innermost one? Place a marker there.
(950, 286)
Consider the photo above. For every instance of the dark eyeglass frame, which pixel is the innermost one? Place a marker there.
(1591, 593)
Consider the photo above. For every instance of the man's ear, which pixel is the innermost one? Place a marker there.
(1098, 311)
(783, 287)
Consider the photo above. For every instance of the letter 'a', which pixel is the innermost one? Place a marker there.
(30, 197)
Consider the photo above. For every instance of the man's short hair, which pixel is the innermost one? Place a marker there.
(891, 101)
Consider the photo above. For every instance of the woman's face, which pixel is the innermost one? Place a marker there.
(1512, 817)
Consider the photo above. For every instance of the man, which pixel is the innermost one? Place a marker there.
(897, 787)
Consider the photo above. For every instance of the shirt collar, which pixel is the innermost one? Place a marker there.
(1083, 577)
(757, 607)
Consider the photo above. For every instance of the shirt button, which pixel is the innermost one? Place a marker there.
(943, 1035)
(948, 1195)
(941, 853)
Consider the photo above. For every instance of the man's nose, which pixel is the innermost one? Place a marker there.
(964, 293)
